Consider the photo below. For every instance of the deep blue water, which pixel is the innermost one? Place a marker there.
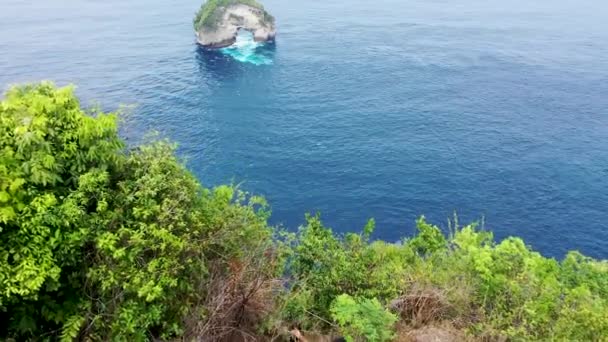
(386, 109)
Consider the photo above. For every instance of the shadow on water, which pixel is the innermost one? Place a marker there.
(212, 62)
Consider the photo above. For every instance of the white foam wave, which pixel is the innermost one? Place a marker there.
(245, 50)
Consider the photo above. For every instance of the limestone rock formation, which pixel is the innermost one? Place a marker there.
(218, 21)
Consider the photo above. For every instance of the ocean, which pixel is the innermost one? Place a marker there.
(494, 110)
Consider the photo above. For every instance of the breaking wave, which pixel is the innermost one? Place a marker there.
(247, 50)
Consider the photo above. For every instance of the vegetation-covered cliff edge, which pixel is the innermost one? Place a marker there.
(101, 242)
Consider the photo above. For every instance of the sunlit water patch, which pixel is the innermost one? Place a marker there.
(247, 50)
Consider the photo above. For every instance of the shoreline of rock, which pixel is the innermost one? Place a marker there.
(234, 18)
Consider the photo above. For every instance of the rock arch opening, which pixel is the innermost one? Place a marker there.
(235, 19)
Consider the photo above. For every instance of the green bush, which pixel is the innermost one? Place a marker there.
(102, 242)
(324, 266)
(51, 154)
(429, 239)
(494, 290)
(363, 319)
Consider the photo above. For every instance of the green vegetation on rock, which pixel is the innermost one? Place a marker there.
(212, 10)
(101, 242)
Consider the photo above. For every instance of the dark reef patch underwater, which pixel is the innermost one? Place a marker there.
(490, 108)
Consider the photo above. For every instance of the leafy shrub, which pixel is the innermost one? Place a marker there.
(429, 238)
(323, 266)
(51, 155)
(104, 243)
(363, 319)
(492, 290)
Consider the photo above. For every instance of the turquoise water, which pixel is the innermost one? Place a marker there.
(246, 50)
(388, 109)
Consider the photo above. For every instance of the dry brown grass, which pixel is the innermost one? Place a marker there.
(421, 306)
(431, 314)
(443, 332)
(239, 295)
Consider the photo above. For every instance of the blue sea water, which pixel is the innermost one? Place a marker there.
(387, 109)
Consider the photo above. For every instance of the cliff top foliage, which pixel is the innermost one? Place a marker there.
(212, 11)
(101, 242)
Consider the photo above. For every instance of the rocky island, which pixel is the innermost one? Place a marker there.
(217, 22)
